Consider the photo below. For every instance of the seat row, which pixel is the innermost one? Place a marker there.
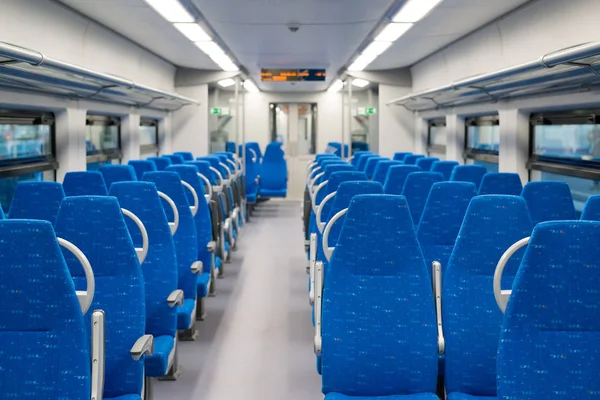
(142, 249)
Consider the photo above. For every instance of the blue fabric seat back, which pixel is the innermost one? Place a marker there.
(357, 160)
(329, 169)
(252, 172)
(84, 183)
(256, 147)
(214, 163)
(416, 190)
(468, 173)
(186, 155)
(188, 173)
(117, 173)
(362, 163)
(444, 167)
(426, 163)
(378, 268)
(273, 171)
(95, 224)
(507, 183)
(224, 166)
(142, 166)
(186, 242)
(161, 163)
(44, 345)
(549, 340)
(356, 156)
(372, 165)
(591, 210)
(549, 201)
(203, 167)
(335, 179)
(412, 159)
(37, 200)
(160, 266)
(382, 168)
(471, 316)
(230, 147)
(442, 218)
(337, 146)
(396, 177)
(400, 156)
(175, 158)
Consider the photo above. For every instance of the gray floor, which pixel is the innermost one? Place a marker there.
(257, 340)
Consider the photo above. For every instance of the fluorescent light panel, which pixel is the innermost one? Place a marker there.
(361, 83)
(210, 48)
(336, 87)
(250, 86)
(226, 82)
(415, 10)
(361, 62)
(392, 32)
(376, 48)
(194, 32)
(171, 10)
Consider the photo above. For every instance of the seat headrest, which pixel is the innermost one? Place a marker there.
(336, 178)
(412, 159)
(273, 153)
(591, 210)
(549, 201)
(117, 173)
(396, 177)
(372, 164)
(203, 167)
(444, 167)
(161, 163)
(36, 200)
(84, 183)
(508, 183)
(331, 168)
(175, 159)
(400, 156)
(426, 163)
(382, 168)
(213, 160)
(347, 190)
(186, 155)
(141, 166)
(468, 173)
(416, 190)
(362, 163)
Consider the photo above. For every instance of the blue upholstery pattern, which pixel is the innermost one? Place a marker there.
(273, 172)
(394, 183)
(390, 346)
(442, 218)
(230, 147)
(36, 200)
(335, 180)
(186, 155)
(507, 183)
(468, 173)
(416, 190)
(420, 396)
(412, 159)
(203, 168)
(44, 346)
(117, 173)
(175, 158)
(591, 210)
(400, 156)
(141, 167)
(463, 396)
(382, 168)
(356, 156)
(426, 163)
(471, 316)
(444, 167)
(95, 225)
(159, 361)
(549, 201)
(159, 267)
(372, 164)
(84, 183)
(161, 163)
(362, 163)
(549, 340)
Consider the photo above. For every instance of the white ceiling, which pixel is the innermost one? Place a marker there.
(256, 31)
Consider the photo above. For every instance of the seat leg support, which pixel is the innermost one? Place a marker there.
(200, 310)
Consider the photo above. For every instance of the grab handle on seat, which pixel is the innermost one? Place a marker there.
(311, 266)
(175, 224)
(318, 341)
(320, 207)
(436, 275)
(208, 184)
(143, 252)
(502, 296)
(219, 176)
(313, 182)
(314, 199)
(85, 297)
(326, 249)
(255, 158)
(194, 208)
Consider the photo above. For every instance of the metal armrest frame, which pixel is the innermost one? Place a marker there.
(175, 224)
(502, 296)
(316, 193)
(85, 297)
(98, 354)
(311, 265)
(325, 242)
(194, 208)
(143, 252)
(321, 225)
(436, 281)
(318, 341)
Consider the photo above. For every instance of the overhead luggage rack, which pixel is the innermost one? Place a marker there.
(26, 69)
(570, 69)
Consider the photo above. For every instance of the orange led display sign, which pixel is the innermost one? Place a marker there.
(292, 75)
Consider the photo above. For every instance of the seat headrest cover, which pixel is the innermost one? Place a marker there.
(84, 183)
(549, 201)
(36, 200)
(397, 174)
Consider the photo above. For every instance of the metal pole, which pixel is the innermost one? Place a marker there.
(349, 117)
(237, 113)
(243, 117)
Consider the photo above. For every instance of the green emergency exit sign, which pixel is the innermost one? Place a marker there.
(215, 111)
(220, 111)
(371, 111)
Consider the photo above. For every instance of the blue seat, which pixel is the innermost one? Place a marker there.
(382, 168)
(445, 168)
(416, 190)
(378, 268)
(356, 156)
(507, 183)
(549, 201)
(117, 173)
(400, 156)
(202, 218)
(44, 344)
(36, 200)
(412, 159)
(141, 167)
(372, 164)
(230, 147)
(255, 151)
(161, 163)
(471, 317)
(394, 182)
(273, 172)
(426, 163)
(95, 225)
(442, 218)
(468, 173)
(591, 210)
(362, 163)
(84, 183)
(159, 268)
(175, 158)
(186, 155)
(549, 340)
(186, 243)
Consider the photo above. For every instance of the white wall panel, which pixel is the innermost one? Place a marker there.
(396, 124)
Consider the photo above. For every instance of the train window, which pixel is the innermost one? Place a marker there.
(26, 151)
(148, 138)
(483, 141)
(565, 146)
(103, 141)
(436, 138)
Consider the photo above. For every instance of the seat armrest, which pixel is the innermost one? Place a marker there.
(211, 246)
(143, 346)
(436, 274)
(196, 267)
(175, 298)
(318, 343)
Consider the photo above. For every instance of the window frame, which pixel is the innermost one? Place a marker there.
(104, 155)
(435, 148)
(149, 148)
(489, 156)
